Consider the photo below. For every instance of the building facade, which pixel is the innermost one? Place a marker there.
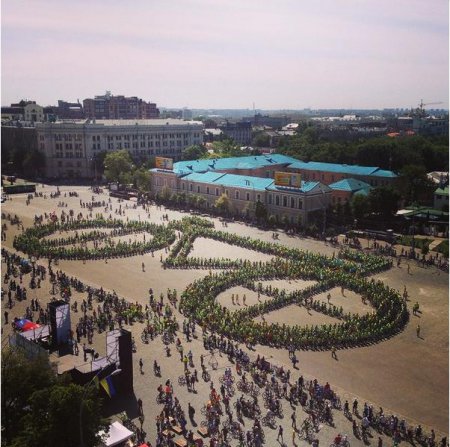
(119, 107)
(294, 205)
(328, 173)
(69, 110)
(240, 132)
(71, 147)
(33, 113)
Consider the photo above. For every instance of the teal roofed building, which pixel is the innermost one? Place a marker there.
(330, 173)
(345, 189)
(255, 165)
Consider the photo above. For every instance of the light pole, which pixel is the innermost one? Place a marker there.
(86, 389)
(324, 208)
(94, 160)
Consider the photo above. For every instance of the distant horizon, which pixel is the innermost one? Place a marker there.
(326, 54)
(256, 110)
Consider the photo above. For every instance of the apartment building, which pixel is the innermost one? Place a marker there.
(119, 107)
(71, 147)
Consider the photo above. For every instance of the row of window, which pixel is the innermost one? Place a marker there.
(143, 144)
(66, 137)
(69, 164)
(285, 201)
(69, 146)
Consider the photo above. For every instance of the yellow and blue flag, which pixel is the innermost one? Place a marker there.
(107, 384)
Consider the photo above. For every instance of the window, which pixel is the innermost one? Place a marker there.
(198, 188)
(247, 197)
(284, 201)
(236, 195)
(190, 187)
(226, 192)
(300, 204)
(270, 199)
(292, 202)
(207, 190)
(277, 200)
(182, 186)
(258, 197)
(217, 191)
(268, 174)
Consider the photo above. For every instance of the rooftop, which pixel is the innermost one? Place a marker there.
(131, 122)
(219, 164)
(350, 184)
(342, 168)
(247, 182)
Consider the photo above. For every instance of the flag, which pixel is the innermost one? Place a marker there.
(108, 386)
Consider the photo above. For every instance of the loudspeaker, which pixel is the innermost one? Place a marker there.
(125, 378)
(59, 322)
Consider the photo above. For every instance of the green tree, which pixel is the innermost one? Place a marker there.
(33, 164)
(21, 377)
(223, 204)
(360, 206)
(414, 185)
(165, 194)
(142, 179)
(272, 220)
(53, 417)
(194, 152)
(384, 200)
(118, 166)
(261, 139)
(260, 211)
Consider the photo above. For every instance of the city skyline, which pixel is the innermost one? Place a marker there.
(203, 54)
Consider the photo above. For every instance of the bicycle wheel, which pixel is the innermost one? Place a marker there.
(181, 380)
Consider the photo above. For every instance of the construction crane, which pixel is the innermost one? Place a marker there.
(422, 104)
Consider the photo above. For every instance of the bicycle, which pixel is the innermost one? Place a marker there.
(269, 421)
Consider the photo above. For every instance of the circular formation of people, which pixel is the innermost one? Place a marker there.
(348, 269)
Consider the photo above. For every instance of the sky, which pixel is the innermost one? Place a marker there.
(275, 54)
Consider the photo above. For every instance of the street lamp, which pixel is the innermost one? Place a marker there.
(94, 160)
(86, 389)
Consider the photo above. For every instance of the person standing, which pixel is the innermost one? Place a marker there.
(280, 433)
(141, 366)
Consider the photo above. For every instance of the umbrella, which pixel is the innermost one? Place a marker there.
(29, 326)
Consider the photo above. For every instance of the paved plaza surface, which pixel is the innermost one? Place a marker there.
(405, 375)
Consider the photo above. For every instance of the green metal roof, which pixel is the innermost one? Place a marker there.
(342, 168)
(350, 185)
(219, 164)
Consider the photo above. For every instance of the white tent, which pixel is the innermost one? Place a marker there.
(117, 434)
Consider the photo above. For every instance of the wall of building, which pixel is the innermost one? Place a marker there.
(71, 148)
(297, 207)
(327, 177)
(33, 113)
